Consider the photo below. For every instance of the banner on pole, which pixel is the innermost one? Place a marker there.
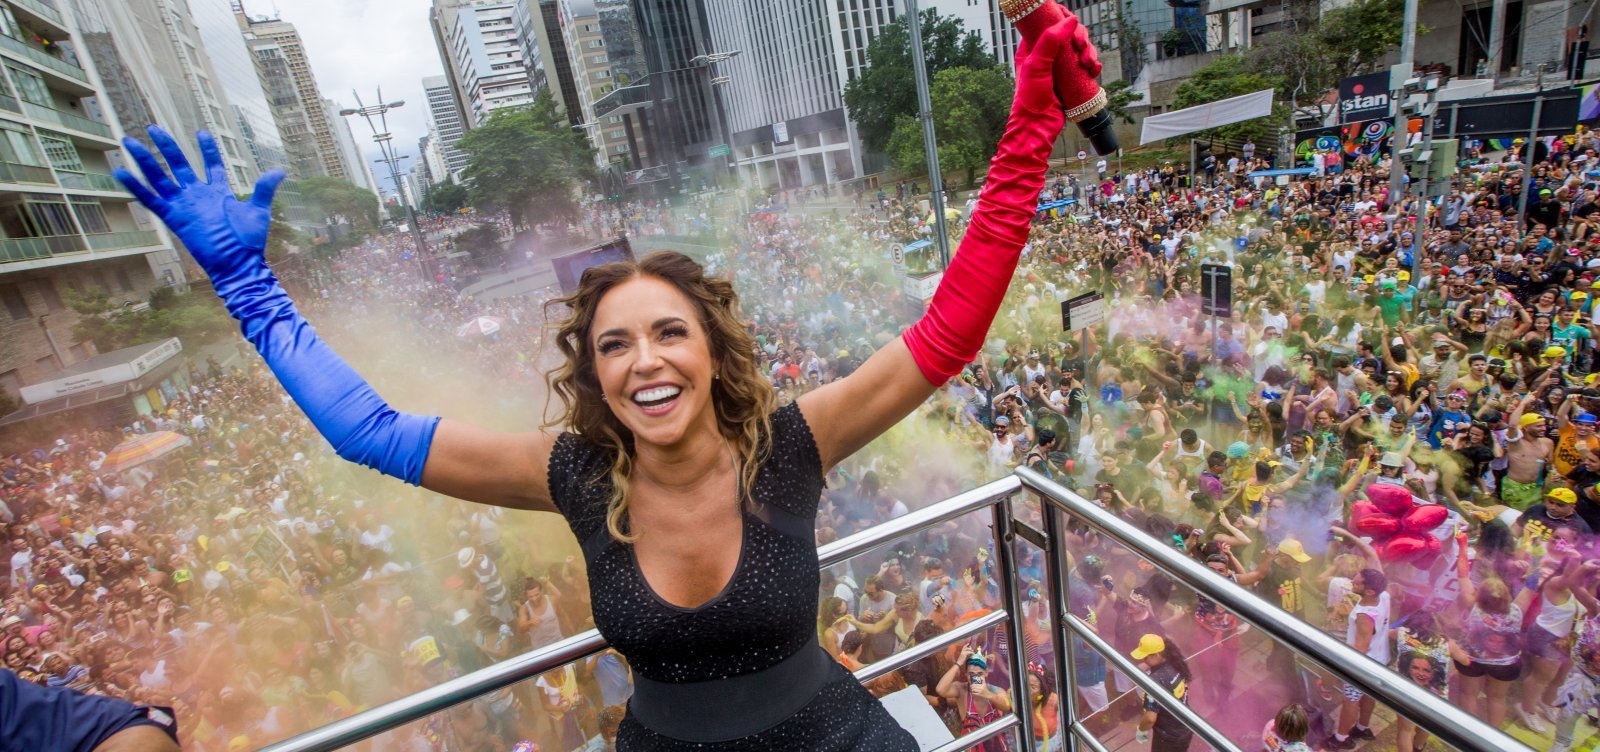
(1200, 117)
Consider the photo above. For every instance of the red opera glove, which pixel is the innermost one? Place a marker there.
(1077, 68)
(951, 333)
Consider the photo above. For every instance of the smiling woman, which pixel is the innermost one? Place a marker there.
(695, 501)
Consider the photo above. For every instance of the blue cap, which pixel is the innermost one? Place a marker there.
(1586, 418)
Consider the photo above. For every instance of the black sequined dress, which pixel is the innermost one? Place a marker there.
(764, 615)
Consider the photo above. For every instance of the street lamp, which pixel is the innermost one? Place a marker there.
(385, 141)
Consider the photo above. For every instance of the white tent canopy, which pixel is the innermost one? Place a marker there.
(1200, 117)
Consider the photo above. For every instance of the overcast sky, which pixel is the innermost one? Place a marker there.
(362, 45)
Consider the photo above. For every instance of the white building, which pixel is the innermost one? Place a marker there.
(489, 60)
(445, 127)
(784, 94)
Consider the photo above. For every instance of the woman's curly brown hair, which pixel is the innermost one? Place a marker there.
(741, 395)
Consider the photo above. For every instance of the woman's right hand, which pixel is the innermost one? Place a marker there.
(223, 233)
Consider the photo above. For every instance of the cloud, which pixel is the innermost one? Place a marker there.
(363, 45)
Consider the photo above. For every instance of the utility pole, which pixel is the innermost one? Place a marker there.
(930, 143)
(1530, 151)
(1397, 92)
(385, 141)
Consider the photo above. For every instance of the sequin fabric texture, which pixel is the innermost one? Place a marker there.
(764, 615)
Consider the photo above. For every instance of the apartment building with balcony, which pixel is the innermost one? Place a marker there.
(65, 225)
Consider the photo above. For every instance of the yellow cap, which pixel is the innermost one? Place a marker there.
(1563, 494)
(1292, 549)
(1555, 351)
(1368, 278)
(1529, 419)
(1148, 645)
(1580, 295)
(1403, 275)
(223, 566)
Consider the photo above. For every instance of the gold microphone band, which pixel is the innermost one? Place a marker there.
(1084, 111)
(1016, 10)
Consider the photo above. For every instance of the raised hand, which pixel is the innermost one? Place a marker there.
(223, 233)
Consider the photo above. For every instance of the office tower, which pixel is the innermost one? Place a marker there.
(488, 61)
(308, 132)
(539, 23)
(445, 125)
(237, 77)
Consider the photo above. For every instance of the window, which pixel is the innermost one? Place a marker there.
(91, 216)
(17, 147)
(11, 296)
(63, 155)
(30, 86)
(123, 280)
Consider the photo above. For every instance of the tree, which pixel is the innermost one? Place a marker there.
(446, 198)
(527, 157)
(883, 93)
(1359, 34)
(1119, 96)
(970, 107)
(197, 318)
(338, 200)
(1231, 76)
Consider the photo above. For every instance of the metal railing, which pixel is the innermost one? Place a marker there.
(1434, 714)
(36, 55)
(19, 173)
(65, 119)
(90, 181)
(26, 249)
(129, 239)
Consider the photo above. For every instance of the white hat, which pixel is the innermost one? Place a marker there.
(464, 556)
(461, 616)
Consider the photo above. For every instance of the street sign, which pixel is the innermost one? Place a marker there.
(1082, 155)
(1083, 311)
(1216, 290)
(720, 150)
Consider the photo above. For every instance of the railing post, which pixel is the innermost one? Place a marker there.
(1066, 668)
(1006, 563)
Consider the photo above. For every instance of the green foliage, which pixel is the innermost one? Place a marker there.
(446, 198)
(1231, 76)
(337, 199)
(1119, 95)
(970, 106)
(1300, 63)
(527, 158)
(281, 237)
(482, 241)
(883, 93)
(197, 318)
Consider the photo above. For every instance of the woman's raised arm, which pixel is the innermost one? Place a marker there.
(227, 238)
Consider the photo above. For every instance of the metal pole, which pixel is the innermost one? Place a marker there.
(1010, 591)
(1418, 237)
(930, 143)
(1527, 164)
(1397, 140)
(1060, 605)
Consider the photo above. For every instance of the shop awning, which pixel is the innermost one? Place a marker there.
(104, 377)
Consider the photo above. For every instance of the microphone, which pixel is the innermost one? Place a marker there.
(1077, 70)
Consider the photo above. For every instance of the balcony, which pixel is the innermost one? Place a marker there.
(27, 249)
(66, 119)
(37, 13)
(48, 61)
(117, 240)
(90, 181)
(17, 173)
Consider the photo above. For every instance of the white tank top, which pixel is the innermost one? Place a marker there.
(1379, 649)
(1557, 618)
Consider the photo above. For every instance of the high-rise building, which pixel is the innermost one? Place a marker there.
(784, 91)
(539, 24)
(445, 126)
(489, 60)
(237, 77)
(157, 66)
(594, 76)
(684, 122)
(291, 86)
(65, 225)
(349, 150)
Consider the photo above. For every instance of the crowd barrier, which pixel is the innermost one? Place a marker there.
(1058, 504)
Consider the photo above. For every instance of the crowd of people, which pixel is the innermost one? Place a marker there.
(1393, 436)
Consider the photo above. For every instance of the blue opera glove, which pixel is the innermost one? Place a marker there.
(228, 238)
